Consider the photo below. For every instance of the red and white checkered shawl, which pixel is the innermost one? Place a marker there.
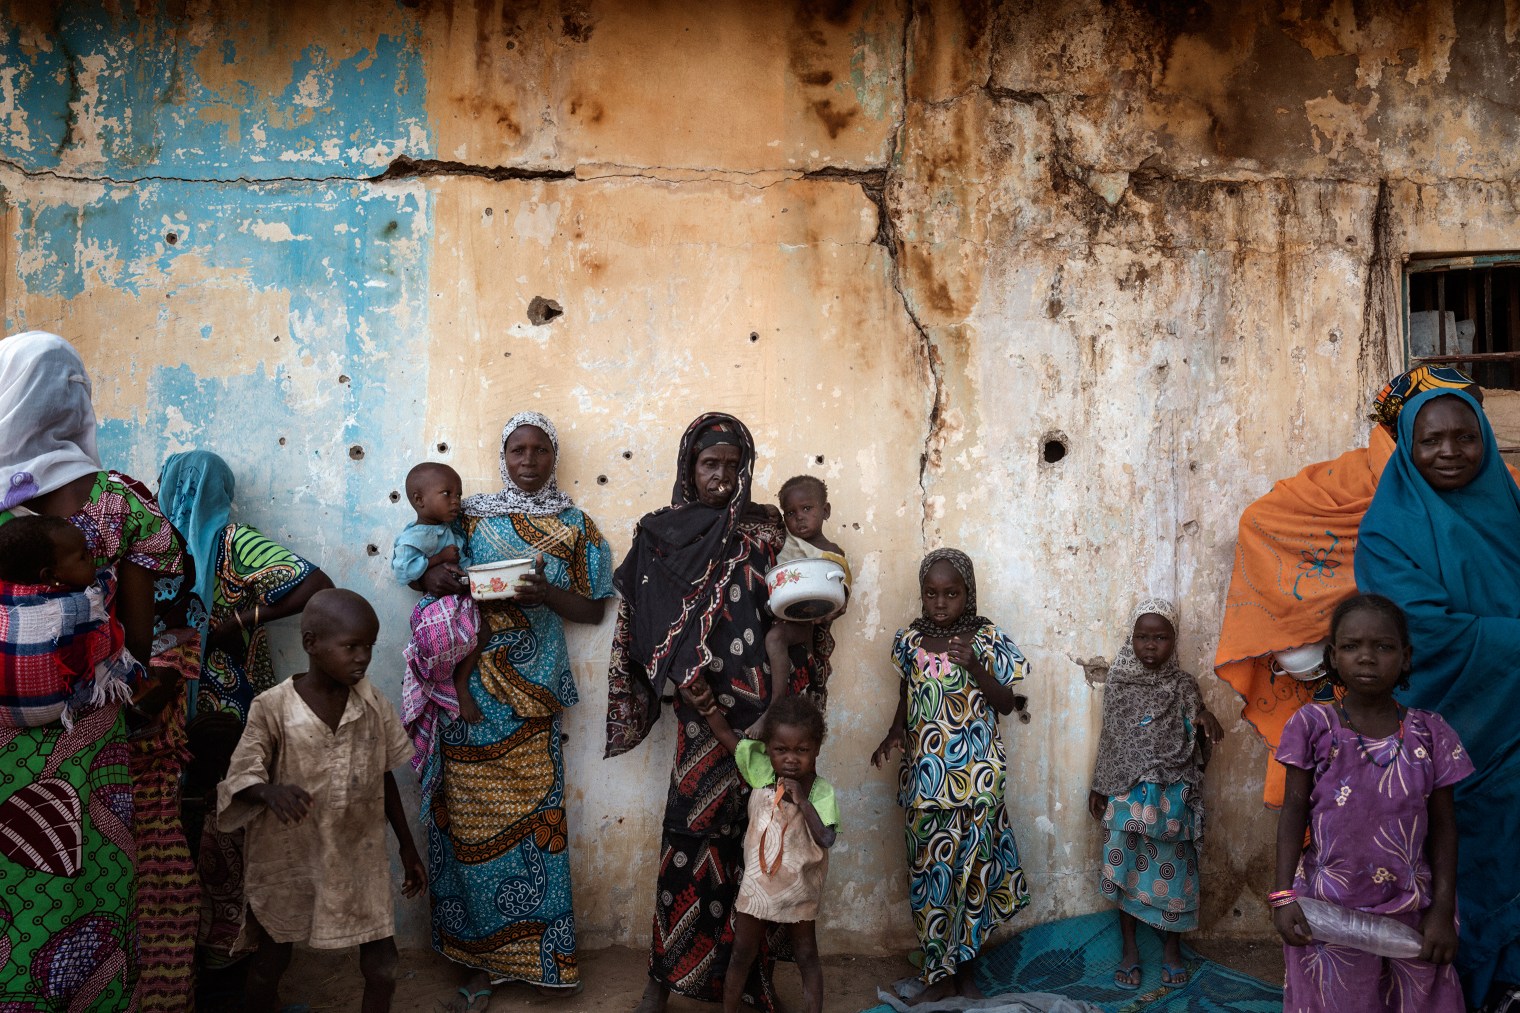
(61, 651)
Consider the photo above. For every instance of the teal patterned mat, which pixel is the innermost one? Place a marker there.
(1076, 958)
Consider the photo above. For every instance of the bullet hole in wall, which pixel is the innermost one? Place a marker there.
(372, 550)
(343, 378)
(277, 337)
(817, 458)
(754, 336)
(443, 448)
(282, 441)
(356, 453)
(1055, 447)
(627, 455)
(601, 480)
(542, 311)
(489, 212)
(171, 238)
(395, 496)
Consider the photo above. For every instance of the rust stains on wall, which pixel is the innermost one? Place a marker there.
(1066, 283)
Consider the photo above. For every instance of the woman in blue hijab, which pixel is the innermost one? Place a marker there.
(244, 579)
(1442, 539)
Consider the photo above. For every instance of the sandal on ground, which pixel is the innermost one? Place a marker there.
(1121, 977)
(474, 1002)
(1174, 975)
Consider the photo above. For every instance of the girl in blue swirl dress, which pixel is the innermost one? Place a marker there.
(958, 671)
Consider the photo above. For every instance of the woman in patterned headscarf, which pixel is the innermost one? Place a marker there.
(498, 846)
(693, 607)
(1293, 566)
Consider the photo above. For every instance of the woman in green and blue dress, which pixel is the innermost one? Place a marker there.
(498, 843)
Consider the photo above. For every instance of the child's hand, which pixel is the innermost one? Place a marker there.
(792, 790)
(290, 803)
(414, 871)
(1213, 731)
(962, 651)
(698, 693)
(892, 741)
(1440, 931)
(1097, 802)
(1291, 925)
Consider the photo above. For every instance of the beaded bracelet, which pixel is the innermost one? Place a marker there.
(1282, 898)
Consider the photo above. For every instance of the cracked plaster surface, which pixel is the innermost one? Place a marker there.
(1082, 223)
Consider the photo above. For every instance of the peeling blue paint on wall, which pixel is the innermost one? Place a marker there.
(118, 94)
(259, 189)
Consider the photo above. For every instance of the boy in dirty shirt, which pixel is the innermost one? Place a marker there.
(311, 783)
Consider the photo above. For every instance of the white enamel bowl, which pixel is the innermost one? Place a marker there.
(805, 589)
(1304, 663)
(493, 581)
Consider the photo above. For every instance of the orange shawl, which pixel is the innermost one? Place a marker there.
(1292, 567)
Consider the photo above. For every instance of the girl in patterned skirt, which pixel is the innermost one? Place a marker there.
(1146, 790)
(958, 670)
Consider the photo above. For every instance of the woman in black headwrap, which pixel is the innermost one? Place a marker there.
(693, 606)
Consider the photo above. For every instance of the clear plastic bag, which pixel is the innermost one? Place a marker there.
(1370, 933)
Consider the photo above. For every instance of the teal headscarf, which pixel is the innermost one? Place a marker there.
(195, 493)
(1451, 560)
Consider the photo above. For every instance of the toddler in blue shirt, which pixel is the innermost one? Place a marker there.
(445, 630)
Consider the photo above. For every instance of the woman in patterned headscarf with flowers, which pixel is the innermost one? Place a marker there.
(1293, 567)
(693, 589)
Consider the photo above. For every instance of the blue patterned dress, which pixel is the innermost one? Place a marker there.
(963, 862)
(498, 847)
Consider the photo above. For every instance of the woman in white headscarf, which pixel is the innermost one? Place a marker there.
(497, 844)
(49, 465)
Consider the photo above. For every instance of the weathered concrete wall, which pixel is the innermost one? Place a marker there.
(910, 243)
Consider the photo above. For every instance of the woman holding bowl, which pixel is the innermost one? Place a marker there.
(498, 846)
(693, 590)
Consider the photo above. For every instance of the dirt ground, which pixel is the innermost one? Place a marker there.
(614, 979)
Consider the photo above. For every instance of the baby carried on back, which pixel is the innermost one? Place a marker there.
(61, 649)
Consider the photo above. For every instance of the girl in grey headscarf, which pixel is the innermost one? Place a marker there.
(1146, 789)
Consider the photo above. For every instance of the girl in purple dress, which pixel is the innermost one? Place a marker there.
(1372, 781)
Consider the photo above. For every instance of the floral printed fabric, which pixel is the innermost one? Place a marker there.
(953, 754)
(1367, 829)
(498, 840)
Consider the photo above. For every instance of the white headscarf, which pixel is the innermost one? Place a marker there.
(47, 424)
(512, 499)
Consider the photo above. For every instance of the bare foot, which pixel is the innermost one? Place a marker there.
(654, 999)
(942, 989)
